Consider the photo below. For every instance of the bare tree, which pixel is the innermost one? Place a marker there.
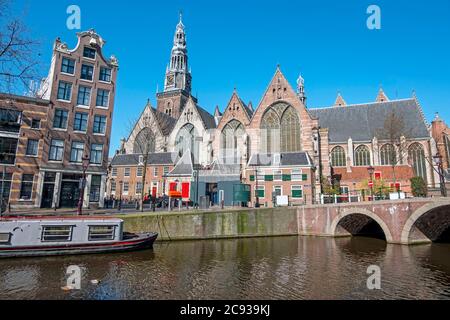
(394, 135)
(18, 58)
(143, 144)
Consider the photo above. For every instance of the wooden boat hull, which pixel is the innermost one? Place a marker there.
(134, 243)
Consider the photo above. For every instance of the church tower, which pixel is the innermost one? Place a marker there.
(178, 80)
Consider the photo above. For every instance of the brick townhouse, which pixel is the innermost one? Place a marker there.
(70, 121)
(127, 173)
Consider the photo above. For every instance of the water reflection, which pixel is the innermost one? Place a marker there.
(263, 268)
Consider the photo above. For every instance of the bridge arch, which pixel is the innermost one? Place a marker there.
(431, 220)
(360, 212)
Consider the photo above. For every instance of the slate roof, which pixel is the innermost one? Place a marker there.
(287, 159)
(363, 122)
(247, 109)
(166, 123)
(6, 96)
(166, 158)
(207, 118)
(184, 166)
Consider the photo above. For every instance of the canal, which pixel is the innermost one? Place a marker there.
(259, 268)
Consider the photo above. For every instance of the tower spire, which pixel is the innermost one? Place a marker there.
(178, 76)
(301, 89)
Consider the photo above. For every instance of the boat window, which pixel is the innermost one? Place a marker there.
(101, 233)
(57, 233)
(5, 238)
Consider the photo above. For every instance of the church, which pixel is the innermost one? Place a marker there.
(280, 147)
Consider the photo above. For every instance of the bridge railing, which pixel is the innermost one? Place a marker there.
(331, 199)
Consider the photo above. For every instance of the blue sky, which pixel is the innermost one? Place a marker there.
(239, 44)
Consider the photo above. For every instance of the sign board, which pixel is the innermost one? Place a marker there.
(370, 184)
(282, 201)
(397, 196)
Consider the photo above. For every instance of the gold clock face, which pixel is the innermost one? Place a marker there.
(170, 80)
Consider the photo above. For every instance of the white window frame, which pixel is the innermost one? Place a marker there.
(297, 188)
(299, 172)
(259, 188)
(277, 187)
(125, 192)
(278, 172)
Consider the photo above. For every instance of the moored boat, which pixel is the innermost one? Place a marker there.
(52, 236)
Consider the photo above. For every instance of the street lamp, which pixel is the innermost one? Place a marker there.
(119, 206)
(2, 190)
(256, 188)
(438, 160)
(85, 164)
(371, 171)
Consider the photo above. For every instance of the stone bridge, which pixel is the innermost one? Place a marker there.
(409, 221)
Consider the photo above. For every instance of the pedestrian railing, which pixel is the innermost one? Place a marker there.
(332, 199)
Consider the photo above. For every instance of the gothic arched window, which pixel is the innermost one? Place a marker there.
(362, 156)
(270, 127)
(232, 134)
(186, 139)
(280, 129)
(290, 131)
(416, 155)
(144, 142)
(388, 155)
(338, 158)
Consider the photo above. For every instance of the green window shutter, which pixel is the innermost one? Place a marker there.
(260, 193)
(268, 178)
(297, 193)
(304, 177)
(286, 177)
(252, 178)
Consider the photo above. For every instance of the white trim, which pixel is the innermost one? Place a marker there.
(65, 101)
(74, 67)
(263, 188)
(296, 186)
(93, 72)
(67, 74)
(277, 186)
(87, 123)
(106, 125)
(85, 106)
(301, 175)
(20, 190)
(278, 170)
(71, 91)
(100, 72)
(109, 99)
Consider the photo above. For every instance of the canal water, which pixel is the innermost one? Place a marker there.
(261, 268)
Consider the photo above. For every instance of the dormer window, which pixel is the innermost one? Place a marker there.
(89, 53)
